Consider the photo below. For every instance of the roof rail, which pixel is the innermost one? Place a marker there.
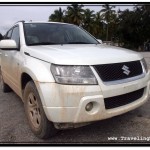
(20, 21)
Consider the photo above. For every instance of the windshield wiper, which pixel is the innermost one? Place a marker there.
(79, 43)
(43, 43)
(50, 43)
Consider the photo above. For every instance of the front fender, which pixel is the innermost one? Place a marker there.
(40, 73)
(38, 70)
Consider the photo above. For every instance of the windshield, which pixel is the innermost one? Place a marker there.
(54, 33)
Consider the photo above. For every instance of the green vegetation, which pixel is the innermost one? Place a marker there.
(128, 28)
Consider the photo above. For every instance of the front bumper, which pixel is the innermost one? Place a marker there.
(66, 103)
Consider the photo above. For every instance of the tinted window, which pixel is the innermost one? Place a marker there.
(54, 33)
(8, 35)
(1, 37)
(15, 35)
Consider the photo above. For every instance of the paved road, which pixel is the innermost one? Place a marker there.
(14, 127)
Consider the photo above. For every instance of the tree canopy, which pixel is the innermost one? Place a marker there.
(129, 27)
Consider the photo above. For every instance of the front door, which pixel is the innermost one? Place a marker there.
(10, 62)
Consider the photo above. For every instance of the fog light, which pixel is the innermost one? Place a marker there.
(89, 106)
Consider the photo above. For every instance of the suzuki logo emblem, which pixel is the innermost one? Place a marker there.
(126, 70)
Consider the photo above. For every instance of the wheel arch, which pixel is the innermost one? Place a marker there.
(25, 78)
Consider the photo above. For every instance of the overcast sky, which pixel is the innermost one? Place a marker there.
(11, 14)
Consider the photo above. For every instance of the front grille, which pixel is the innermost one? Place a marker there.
(117, 101)
(119, 71)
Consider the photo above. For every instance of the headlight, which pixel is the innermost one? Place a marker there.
(144, 64)
(73, 74)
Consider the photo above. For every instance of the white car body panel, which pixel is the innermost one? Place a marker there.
(66, 103)
(81, 54)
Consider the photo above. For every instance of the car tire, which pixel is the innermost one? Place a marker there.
(5, 87)
(37, 119)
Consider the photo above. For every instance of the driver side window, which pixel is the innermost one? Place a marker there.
(15, 35)
(8, 35)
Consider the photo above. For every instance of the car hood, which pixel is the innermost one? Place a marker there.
(82, 54)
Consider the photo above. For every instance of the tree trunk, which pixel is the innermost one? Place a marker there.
(107, 33)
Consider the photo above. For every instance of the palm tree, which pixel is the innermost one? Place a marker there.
(88, 20)
(98, 25)
(130, 28)
(107, 12)
(57, 16)
(75, 14)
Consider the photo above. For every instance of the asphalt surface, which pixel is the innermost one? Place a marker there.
(14, 127)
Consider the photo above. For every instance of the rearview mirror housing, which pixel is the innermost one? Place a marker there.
(8, 45)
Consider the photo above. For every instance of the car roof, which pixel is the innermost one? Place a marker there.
(43, 22)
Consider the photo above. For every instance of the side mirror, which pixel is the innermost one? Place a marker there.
(8, 45)
(1, 37)
(100, 41)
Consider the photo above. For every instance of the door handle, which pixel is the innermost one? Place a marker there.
(6, 55)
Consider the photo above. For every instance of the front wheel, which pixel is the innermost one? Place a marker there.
(37, 119)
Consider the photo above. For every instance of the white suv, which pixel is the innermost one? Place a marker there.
(66, 78)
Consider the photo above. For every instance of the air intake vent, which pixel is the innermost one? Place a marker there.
(117, 101)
